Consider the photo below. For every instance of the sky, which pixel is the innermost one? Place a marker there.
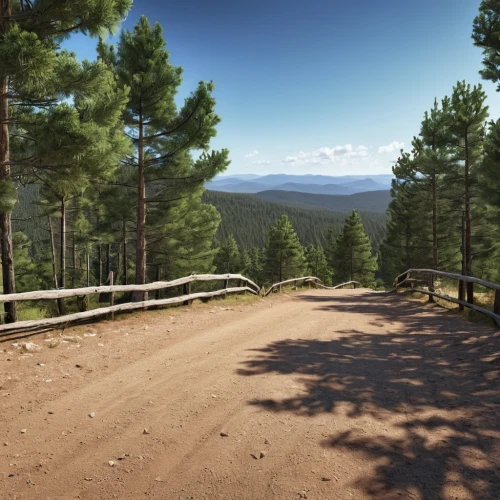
(330, 87)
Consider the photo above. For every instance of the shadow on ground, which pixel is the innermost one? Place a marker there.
(432, 378)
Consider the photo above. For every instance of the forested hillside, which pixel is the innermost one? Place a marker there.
(248, 219)
(373, 201)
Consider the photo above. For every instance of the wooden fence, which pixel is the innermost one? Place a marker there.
(245, 285)
(406, 278)
(309, 279)
(295, 281)
(342, 285)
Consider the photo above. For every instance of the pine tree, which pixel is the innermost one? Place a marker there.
(33, 73)
(76, 143)
(404, 246)
(181, 237)
(317, 264)
(489, 170)
(228, 258)
(353, 254)
(466, 117)
(162, 135)
(284, 253)
(489, 186)
(486, 34)
(254, 267)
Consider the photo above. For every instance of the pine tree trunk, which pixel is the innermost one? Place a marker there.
(124, 252)
(140, 257)
(62, 263)
(53, 250)
(435, 262)
(7, 249)
(468, 233)
(73, 258)
(99, 257)
(108, 260)
(461, 283)
(88, 268)
(60, 304)
(158, 278)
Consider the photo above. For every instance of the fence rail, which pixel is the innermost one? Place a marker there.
(245, 285)
(336, 287)
(495, 314)
(311, 279)
(149, 287)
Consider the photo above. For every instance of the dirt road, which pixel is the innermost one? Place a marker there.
(318, 395)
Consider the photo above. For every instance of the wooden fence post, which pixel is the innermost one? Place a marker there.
(187, 291)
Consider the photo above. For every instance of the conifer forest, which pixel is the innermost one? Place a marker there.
(101, 170)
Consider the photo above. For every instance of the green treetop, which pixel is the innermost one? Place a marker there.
(284, 253)
(353, 253)
(317, 264)
(228, 258)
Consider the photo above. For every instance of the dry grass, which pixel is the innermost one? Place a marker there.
(482, 297)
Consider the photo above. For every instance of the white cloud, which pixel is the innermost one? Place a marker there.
(261, 162)
(252, 154)
(327, 155)
(393, 146)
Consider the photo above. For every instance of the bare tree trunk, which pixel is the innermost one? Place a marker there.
(108, 259)
(140, 255)
(158, 278)
(88, 268)
(62, 264)
(99, 257)
(435, 262)
(461, 283)
(53, 249)
(468, 231)
(7, 249)
(73, 276)
(124, 252)
(62, 256)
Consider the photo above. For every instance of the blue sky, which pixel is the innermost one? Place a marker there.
(317, 86)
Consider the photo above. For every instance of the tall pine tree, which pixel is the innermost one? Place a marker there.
(31, 73)
(162, 135)
(353, 253)
(284, 253)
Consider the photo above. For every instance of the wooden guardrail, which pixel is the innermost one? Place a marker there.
(311, 279)
(354, 283)
(245, 285)
(495, 314)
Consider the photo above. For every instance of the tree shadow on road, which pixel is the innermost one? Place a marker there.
(433, 379)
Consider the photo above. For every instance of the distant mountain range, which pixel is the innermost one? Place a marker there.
(313, 184)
